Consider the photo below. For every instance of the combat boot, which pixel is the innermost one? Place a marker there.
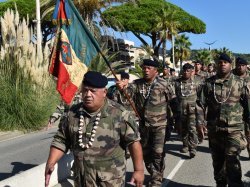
(192, 153)
(184, 149)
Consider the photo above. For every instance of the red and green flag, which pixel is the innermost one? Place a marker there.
(73, 49)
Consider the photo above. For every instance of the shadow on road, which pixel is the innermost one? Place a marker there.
(176, 184)
(17, 168)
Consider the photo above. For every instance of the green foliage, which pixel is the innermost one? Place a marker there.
(204, 56)
(24, 105)
(27, 93)
(24, 7)
(141, 17)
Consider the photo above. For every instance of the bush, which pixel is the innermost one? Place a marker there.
(27, 93)
(25, 108)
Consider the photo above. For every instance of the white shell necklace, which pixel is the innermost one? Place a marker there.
(190, 92)
(93, 131)
(229, 92)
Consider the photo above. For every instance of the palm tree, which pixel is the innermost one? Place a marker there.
(168, 24)
(182, 48)
(203, 56)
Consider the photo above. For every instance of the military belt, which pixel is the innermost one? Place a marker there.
(221, 129)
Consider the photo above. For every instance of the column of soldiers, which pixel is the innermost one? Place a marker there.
(192, 100)
(197, 105)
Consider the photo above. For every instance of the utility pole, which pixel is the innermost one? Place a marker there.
(38, 31)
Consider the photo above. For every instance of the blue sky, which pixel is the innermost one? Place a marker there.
(227, 23)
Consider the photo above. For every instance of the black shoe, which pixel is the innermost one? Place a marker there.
(192, 154)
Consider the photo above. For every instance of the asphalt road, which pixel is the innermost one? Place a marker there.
(26, 151)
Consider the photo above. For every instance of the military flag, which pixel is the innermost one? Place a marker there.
(73, 49)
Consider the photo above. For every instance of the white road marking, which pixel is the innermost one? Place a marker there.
(173, 172)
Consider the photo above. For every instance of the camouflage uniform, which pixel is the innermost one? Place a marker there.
(120, 97)
(151, 102)
(63, 108)
(186, 92)
(202, 74)
(226, 101)
(103, 164)
(247, 128)
(170, 118)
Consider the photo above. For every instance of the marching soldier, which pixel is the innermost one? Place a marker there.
(226, 99)
(186, 88)
(241, 70)
(151, 95)
(198, 69)
(97, 131)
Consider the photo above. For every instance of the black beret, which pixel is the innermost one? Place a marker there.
(172, 69)
(198, 62)
(241, 61)
(225, 57)
(187, 66)
(95, 79)
(149, 62)
(124, 75)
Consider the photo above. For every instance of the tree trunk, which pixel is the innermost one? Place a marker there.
(173, 59)
(164, 48)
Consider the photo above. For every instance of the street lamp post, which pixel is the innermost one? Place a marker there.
(38, 31)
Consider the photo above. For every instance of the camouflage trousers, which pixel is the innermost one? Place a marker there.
(247, 134)
(188, 132)
(225, 149)
(153, 141)
(85, 176)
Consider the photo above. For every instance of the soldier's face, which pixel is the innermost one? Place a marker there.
(187, 73)
(197, 66)
(149, 73)
(210, 69)
(93, 98)
(224, 67)
(241, 68)
(165, 71)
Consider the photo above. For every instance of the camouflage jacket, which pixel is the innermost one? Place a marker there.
(63, 108)
(151, 100)
(116, 130)
(119, 97)
(187, 93)
(227, 101)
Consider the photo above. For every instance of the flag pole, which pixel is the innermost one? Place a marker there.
(96, 45)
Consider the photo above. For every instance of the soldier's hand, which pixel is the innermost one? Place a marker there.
(120, 84)
(48, 171)
(137, 178)
(200, 131)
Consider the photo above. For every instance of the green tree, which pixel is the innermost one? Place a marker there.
(203, 56)
(24, 7)
(168, 24)
(182, 48)
(141, 20)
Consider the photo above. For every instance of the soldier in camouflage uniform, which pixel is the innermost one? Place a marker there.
(119, 97)
(61, 109)
(170, 119)
(151, 95)
(186, 89)
(97, 131)
(241, 71)
(198, 69)
(226, 98)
